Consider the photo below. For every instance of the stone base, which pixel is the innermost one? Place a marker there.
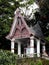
(45, 54)
(30, 55)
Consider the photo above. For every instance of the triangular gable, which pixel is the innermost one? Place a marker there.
(19, 28)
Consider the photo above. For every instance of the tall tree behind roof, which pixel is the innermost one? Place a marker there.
(7, 8)
(44, 11)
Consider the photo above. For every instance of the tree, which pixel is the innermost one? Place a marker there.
(44, 12)
(7, 8)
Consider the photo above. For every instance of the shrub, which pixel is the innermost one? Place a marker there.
(39, 62)
(32, 63)
(45, 62)
(7, 58)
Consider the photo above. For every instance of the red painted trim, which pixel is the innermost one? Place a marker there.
(21, 29)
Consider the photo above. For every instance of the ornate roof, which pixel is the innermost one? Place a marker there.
(36, 29)
(19, 28)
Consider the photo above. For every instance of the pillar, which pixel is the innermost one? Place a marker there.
(19, 48)
(12, 45)
(43, 48)
(38, 47)
(32, 46)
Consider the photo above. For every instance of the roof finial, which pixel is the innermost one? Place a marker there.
(17, 11)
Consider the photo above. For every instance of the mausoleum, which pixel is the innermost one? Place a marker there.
(27, 40)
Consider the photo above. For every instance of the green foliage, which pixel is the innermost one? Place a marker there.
(7, 12)
(30, 2)
(7, 58)
(44, 6)
(47, 38)
(45, 62)
(32, 63)
(39, 62)
(44, 12)
(7, 8)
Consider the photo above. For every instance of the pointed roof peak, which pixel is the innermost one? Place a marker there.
(17, 11)
(19, 28)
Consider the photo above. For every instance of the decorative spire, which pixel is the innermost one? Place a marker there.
(17, 11)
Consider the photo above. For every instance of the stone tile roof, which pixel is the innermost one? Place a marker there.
(36, 30)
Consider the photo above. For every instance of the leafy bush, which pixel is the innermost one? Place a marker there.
(32, 63)
(39, 62)
(45, 62)
(7, 58)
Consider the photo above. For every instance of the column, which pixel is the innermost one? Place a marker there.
(38, 47)
(19, 48)
(43, 48)
(12, 45)
(32, 46)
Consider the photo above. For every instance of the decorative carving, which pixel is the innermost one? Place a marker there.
(19, 28)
